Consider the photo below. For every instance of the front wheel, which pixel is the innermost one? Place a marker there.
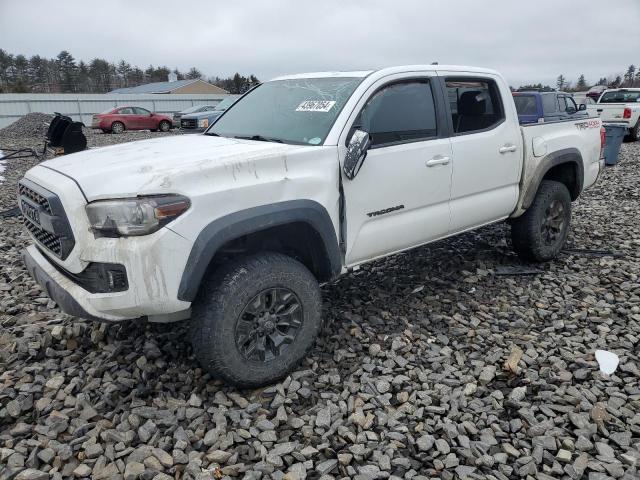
(540, 233)
(255, 319)
(164, 126)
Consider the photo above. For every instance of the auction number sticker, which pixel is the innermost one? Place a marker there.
(316, 106)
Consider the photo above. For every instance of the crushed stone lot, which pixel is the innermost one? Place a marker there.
(454, 360)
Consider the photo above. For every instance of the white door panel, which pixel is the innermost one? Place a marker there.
(398, 177)
(486, 163)
(400, 197)
(485, 179)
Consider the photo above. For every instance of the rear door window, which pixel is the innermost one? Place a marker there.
(125, 111)
(475, 104)
(549, 104)
(398, 113)
(141, 111)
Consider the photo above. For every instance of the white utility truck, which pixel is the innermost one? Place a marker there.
(621, 105)
(305, 178)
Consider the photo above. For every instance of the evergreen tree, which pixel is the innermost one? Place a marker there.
(582, 83)
(67, 71)
(629, 77)
(561, 82)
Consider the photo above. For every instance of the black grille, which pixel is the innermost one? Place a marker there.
(48, 240)
(189, 123)
(45, 218)
(35, 196)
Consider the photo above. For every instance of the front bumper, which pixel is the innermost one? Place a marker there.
(192, 130)
(56, 285)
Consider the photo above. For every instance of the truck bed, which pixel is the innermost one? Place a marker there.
(565, 137)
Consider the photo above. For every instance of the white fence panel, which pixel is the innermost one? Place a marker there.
(81, 107)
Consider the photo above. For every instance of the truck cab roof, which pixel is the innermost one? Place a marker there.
(390, 71)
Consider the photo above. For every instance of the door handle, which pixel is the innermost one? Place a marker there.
(438, 160)
(507, 149)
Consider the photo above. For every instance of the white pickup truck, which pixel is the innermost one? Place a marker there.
(620, 105)
(305, 178)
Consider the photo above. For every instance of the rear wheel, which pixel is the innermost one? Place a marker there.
(255, 319)
(540, 233)
(117, 127)
(635, 132)
(164, 126)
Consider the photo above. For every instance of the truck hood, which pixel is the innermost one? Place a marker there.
(200, 115)
(163, 165)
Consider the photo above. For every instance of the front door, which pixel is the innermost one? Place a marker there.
(487, 150)
(400, 197)
(143, 119)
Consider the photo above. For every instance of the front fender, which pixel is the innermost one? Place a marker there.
(238, 224)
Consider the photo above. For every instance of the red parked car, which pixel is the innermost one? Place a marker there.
(119, 119)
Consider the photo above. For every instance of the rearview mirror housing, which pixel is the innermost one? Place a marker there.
(583, 106)
(356, 153)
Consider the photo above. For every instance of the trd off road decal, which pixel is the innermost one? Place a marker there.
(588, 124)
(386, 210)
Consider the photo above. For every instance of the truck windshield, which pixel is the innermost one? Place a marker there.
(297, 111)
(620, 97)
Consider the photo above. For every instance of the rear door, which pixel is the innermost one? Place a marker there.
(127, 116)
(400, 197)
(487, 149)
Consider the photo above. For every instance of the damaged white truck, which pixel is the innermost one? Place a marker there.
(303, 179)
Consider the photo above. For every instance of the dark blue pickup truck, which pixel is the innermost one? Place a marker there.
(539, 107)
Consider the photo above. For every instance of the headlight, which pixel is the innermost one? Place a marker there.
(204, 123)
(134, 216)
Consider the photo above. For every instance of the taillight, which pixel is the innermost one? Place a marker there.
(627, 113)
(603, 139)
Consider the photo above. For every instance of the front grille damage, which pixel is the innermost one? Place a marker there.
(45, 218)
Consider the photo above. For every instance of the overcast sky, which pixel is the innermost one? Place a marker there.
(533, 43)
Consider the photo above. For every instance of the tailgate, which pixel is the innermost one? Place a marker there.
(609, 113)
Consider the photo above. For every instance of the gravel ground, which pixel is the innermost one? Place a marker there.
(439, 363)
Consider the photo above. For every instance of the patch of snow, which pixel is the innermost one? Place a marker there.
(2, 167)
(608, 361)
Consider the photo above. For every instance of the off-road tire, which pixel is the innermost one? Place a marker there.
(635, 132)
(528, 232)
(164, 126)
(117, 127)
(221, 302)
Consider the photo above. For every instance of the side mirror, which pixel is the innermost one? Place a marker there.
(583, 106)
(356, 153)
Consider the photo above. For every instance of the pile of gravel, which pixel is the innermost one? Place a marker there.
(434, 364)
(31, 125)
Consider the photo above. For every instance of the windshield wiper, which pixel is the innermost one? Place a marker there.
(259, 138)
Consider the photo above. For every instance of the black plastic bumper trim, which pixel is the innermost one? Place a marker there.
(65, 301)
